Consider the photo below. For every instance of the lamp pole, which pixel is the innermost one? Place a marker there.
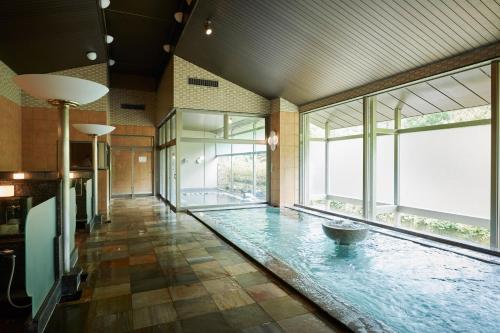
(96, 175)
(64, 167)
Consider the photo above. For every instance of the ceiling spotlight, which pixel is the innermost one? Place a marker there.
(109, 39)
(208, 28)
(111, 62)
(178, 17)
(105, 3)
(91, 55)
(167, 48)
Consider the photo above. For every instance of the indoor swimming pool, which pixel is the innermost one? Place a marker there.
(213, 197)
(388, 282)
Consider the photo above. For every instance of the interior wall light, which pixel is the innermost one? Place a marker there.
(109, 39)
(208, 28)
(178, 16)
(272, 140)
(200, 159)
(18, 175)
(111, 62)
(105, 3)
(6, 191)
(91, 55)
(167, 48)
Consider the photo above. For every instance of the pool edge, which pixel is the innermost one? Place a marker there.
(344, 313)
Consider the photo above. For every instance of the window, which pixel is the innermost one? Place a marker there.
(432, 157)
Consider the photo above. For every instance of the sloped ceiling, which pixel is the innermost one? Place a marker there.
(306, 50)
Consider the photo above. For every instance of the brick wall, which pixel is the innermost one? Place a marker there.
(10, 121)
(120, 116)
(227, 97)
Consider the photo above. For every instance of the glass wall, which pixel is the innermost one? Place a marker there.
(223, 159)
(432, 157)
(167, 167)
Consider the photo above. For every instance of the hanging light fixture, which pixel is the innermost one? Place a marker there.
(105, 3)
(178, 16)
(208, 28)
(109, 39)
(167, 48)
(111, 62)
(272, 140)
(91, 55)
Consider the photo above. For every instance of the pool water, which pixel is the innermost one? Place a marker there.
(406, 286)
(191, 198)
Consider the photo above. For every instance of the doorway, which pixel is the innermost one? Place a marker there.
(131, 171)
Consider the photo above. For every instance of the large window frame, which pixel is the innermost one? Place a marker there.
(370, 132)
(175, 119)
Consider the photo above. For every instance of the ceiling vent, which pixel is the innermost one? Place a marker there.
(134, 106)
(203, 82)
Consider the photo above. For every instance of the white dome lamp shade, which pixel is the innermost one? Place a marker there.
(95, 130)
(64, 92)
(61, 88)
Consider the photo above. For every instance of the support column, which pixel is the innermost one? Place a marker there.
(369, 157)
(397, 126)
(327, 158)
(65, 183)
(96, 175)
(495, 154)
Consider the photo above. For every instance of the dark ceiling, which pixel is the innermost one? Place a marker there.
(50, 35)
(306, 50)
(140, 29)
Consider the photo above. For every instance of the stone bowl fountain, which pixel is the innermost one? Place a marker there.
(345, 232)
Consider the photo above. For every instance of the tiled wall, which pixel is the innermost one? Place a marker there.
(174, 91)
(40, 130)
(227, 97)
(120, 116)
(285, 159)
(10, 121)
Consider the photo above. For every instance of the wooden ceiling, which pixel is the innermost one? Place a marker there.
(140, 29)
(41, 36)
(306, 50)
(50, 35)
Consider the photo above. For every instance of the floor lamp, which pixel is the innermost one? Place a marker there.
(63, 92)
(95, 130)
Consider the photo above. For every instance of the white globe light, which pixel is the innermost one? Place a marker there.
(109, 39)
(111, 62)
(91, 55)
(105, 4)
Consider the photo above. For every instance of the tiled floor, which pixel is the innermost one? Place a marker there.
(151, 270)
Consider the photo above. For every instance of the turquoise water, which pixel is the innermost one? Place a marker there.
(405, 285)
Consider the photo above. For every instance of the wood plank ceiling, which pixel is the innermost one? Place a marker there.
(306, 50)
(50, 35)
(41, 36)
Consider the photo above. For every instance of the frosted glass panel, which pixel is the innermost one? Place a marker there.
(346, 168)
(447, 170)
(385, 169)
(316, 162)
